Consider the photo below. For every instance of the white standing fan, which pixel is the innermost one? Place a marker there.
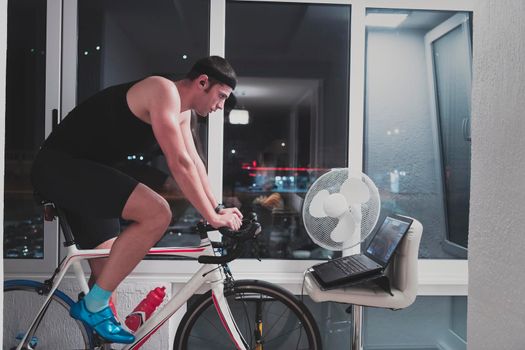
(341, 209)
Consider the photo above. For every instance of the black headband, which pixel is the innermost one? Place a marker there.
(215, 74)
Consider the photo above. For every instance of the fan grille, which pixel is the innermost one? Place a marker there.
(319, 229)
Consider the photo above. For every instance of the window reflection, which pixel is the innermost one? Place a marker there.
(293, 103)
(415, 146)
(25, 117)
(126, 40)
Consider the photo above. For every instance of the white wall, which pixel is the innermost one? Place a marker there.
(496, 312)
(3, 50)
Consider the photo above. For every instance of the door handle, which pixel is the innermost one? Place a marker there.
(466, 130)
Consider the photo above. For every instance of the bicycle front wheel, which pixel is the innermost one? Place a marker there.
(268, 317)
(56, 330)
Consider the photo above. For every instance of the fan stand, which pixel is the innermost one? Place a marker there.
(357, 327)
(357, 315)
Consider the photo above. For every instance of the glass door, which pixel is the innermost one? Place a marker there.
(413, 105)
(31, 100)
(451, 67)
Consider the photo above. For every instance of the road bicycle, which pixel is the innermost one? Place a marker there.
(244, 314)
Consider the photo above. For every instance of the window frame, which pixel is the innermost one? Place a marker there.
(52, 101)
(436, 276)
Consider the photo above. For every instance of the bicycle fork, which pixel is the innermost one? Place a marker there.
(225, 315)
(223, 310)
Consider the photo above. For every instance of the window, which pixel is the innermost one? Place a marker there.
(25, 118)
(121, 41)
(298, 128)
(290, 124)
(417, 120)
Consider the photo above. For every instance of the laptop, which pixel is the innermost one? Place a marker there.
(373, 261)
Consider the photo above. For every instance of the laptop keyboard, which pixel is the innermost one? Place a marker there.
(349, 265)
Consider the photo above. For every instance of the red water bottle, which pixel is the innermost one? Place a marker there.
(145, 308)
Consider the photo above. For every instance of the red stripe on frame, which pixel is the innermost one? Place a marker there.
(223, 320)
(148, 335)
(182, 250)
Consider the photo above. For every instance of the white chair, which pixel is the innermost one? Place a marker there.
(402, 272)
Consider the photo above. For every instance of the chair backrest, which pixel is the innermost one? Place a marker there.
(403, 271)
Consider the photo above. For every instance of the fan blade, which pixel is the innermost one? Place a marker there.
(355, 191)
(345, 228)
(335, 205)
(317, 204)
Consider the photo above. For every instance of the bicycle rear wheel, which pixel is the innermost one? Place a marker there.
(57, 330)
(269, 317)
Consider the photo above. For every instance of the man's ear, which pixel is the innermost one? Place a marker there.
(203, 80)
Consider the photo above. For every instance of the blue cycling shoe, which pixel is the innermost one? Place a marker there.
(103, 322)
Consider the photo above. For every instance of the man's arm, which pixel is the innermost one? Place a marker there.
(164, 112)
(201, 169)
(194, 155)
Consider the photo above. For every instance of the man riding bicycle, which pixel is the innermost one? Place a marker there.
(76, 168)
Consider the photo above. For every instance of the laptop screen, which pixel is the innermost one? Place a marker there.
(387, 239)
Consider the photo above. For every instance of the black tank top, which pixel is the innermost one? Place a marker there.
(103, 129)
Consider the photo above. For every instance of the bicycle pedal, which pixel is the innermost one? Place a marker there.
(105, 346)
(101, 343)
(33, 343)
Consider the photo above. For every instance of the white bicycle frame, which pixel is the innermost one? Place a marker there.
(211, 274)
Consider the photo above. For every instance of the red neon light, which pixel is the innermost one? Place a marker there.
(268, 168)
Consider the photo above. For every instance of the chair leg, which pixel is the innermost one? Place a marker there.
(357, 325)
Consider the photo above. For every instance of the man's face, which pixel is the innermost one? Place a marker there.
(212, 98)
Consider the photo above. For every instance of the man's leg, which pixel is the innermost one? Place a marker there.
(97, 265)
(151, 216)
(92, 190)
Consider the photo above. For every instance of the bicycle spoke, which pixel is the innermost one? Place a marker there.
(53, 325)
(268, 311)
(219, 329)
(282, 335)
(247, 321)
(286, 323)
(276, 321)
(206, 340)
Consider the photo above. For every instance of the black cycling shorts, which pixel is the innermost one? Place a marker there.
(92, 194)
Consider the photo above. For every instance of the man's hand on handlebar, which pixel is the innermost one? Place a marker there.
(231, 210)
(235, 238)
(228, 219)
